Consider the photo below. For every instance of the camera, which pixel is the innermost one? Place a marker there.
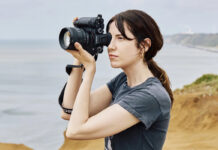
(89, 32)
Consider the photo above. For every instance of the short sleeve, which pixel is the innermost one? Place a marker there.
(142, 105)
(113, 83)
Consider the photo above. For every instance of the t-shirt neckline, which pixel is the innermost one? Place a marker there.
(145, 82)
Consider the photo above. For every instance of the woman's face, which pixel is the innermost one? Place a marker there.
(122, 52)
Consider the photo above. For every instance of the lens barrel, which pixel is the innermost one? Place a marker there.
(68, 36)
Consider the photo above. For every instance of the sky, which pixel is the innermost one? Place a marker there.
(43, 19)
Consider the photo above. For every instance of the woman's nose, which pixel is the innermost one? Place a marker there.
(111, 46)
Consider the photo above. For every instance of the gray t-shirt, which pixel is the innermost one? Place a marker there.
(151, 104)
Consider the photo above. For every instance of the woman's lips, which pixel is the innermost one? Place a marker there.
(112, 56)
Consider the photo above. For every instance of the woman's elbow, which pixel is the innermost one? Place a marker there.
(65, 116)
(71, 135)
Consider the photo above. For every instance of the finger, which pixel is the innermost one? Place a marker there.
(69, 51)
(74, 53)
(78, 46)
(75, 19)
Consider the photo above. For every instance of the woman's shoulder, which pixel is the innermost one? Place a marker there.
(154, 88)
(119, 79)
(115, 82)
(121, 75)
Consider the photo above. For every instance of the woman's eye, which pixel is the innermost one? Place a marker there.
(120, 38)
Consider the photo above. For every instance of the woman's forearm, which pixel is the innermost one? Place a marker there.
(72, 87)
(80, 113)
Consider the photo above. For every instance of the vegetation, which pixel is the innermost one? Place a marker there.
(208, 83)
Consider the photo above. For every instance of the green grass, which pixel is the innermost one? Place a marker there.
(207, 83)
(207, 78)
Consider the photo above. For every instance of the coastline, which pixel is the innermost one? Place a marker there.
(209, 49)
(203, 48)
(201, 41)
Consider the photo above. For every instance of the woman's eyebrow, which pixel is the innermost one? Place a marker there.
(118, 35)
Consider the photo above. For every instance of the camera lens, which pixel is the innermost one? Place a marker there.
(68, 36)
(66, 39)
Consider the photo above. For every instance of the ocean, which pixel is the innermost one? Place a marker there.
(32, 75)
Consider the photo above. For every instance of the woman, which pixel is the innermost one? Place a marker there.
(132, 111)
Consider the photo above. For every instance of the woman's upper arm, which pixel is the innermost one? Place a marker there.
(110, 121)
(99, 100)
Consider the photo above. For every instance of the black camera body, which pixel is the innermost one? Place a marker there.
(89, 32)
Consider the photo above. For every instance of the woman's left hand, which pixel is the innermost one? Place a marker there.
(83, 56)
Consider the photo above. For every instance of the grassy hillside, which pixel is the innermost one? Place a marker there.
(194, 116)
(207, 83)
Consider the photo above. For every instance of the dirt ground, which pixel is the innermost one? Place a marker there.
(10, 146)
(194, 122)
(188, 140)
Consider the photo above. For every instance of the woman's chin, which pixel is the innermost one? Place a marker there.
(113, 65)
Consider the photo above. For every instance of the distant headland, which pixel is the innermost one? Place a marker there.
(203, 41)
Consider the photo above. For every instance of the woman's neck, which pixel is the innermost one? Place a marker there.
(137, 73)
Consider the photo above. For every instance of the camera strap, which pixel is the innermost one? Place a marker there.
(60, 99)
(70, 67)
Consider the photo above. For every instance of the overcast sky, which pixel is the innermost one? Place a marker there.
(43, 19)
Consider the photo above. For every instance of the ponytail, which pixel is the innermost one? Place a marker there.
(162, 76)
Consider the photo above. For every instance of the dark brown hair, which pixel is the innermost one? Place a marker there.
(142, 26)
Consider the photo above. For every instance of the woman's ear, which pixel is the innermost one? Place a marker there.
(145, 45)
